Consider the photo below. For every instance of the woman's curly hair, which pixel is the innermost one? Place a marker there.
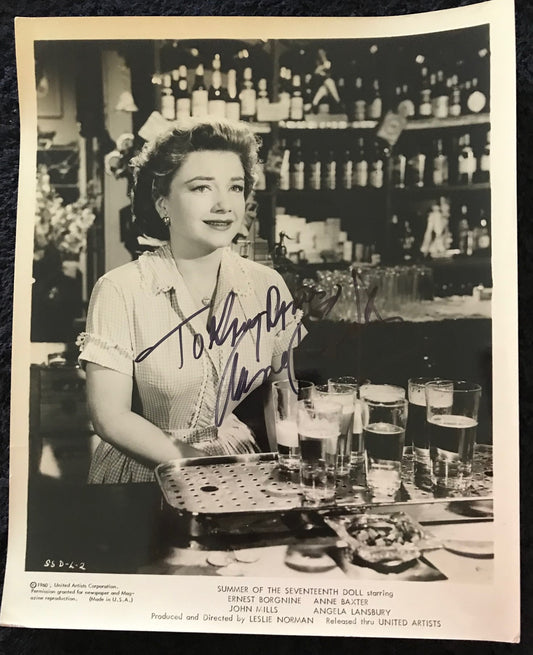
(157, 163)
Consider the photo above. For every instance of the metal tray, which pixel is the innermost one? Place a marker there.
(244, 484)
(227, 484)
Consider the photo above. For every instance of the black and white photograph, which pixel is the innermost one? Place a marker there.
(261, 328)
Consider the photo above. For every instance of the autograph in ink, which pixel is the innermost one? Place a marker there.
(228, 328)
(235, 381)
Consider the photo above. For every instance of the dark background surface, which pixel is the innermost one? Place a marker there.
(65, 641)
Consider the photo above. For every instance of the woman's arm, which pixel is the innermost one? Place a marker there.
(109, 398)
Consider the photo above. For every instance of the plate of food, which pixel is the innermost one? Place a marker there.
(384, 542)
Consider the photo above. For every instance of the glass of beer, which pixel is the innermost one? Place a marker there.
(416, 435)
(346, 396)
(384, 421)
(285, 395)
(357, 457)
(452, 413)
(319, 426)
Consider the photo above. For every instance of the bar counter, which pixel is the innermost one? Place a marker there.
(128, 528)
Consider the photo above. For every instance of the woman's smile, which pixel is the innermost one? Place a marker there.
(218, 224)
(205, 202)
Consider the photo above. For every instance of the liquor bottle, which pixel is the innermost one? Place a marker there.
(440, 165)
(483, 75)
(360, 165)
(296, 111)
(407, 243)
(297, 167)
(183, 99)
(476, 100)
(175, 76)
(199, 94)
(375, 105)
(284, 96)
(455, 97)
(330, 172)
(483, 168)
(284, 171)
(399, 162)
(347, 170)
(467, 89)
(466, 162)
(406, 107)
(233, 106)
(314, 179)
(424, 104)
(359, 100)
(415, 169)
(262, 95)
(397, 98)
(216, 96)
(440, 98)
(248, 96)
(168, 103)
(481, 235)
(464, 236)
(433, 88)
(376, 168)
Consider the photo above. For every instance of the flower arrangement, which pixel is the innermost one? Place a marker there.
(61, 226)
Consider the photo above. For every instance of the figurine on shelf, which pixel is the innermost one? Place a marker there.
(322, 84)
(437, 237)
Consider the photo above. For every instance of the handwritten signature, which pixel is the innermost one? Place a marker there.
(238, 383)
(229, 328)
(235, 381)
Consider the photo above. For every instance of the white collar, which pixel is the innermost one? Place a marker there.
(160, 274)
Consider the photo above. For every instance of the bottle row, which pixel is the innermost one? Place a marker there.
(180, 100)
(459, 164)
(365, 166)
(245, 96)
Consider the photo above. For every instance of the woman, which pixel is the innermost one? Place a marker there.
(177, 338)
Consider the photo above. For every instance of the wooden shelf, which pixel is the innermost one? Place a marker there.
(326, 123)
(443, 190)
(425, 190)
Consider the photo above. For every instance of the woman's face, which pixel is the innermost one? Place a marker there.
(205, 203)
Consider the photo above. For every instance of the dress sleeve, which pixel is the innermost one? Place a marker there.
(291, 331)
(107, 341)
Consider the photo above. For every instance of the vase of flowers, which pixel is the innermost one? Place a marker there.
(60, 236)
(61, 226)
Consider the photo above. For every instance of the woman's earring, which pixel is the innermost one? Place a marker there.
(166, 220)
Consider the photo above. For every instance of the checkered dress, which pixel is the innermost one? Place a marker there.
(178, 385)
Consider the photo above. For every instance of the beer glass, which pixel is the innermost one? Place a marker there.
(384, 422)
(285, 395)
(319, 426)
(346, 396)
(416, 435)
(357, 459)
(452, 413)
